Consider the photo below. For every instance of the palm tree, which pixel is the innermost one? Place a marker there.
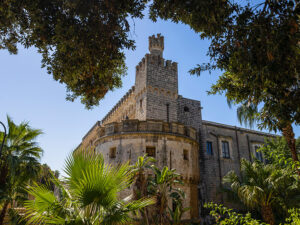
(89, 194)
(178, 209)
(19, 162)
(140, 185)
(262, 186)
(162, 186)
(45, 176)
(143, 164)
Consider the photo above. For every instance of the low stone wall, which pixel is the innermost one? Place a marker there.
(153, 126)
(173, 144)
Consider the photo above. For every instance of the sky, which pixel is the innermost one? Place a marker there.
(28, 93)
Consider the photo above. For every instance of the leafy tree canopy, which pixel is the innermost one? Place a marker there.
(259, 53)
(276, 152)
(255, 44)
(81, 41)
(223, 215)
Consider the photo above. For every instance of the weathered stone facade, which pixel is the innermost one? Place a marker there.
(152, 116)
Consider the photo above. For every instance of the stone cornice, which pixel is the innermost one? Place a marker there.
(209, 123)
(147, 127)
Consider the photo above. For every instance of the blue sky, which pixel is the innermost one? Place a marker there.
(28, 93)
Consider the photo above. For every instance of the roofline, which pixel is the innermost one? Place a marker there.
(205, 122)
(97, 124)
(125, 96)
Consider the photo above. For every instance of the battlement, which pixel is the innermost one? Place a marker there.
(156, 44)
(156, 60)
(148, 126)
(120, 102)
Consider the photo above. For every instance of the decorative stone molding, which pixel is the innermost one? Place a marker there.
(155, 126)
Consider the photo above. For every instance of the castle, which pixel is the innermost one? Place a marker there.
(152, 118)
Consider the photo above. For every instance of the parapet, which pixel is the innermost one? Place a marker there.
(120, 102)
(156, 44)
(148, 126)
(156, 60)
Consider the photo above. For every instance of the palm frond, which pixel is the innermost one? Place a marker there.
(45, 208)
(89, 194)
(247, 114)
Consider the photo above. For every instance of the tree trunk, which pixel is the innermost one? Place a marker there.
(3, 212)
(146, 216)
(267, 214)
(3, 173)
(289, 136)
(140, 191)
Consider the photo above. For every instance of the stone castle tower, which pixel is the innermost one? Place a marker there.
(151, 118)
(156, 84)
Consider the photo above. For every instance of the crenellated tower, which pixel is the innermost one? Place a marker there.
(156, 45)
(152, 119)
(156, 84)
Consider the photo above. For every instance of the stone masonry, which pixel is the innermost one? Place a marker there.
(153, 119)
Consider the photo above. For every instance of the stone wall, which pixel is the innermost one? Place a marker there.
(189, 112)
(130, 139)
(156, 85)
(242, 144)
(162, 89)
(152, 114)
(124, 109)
(90, 137)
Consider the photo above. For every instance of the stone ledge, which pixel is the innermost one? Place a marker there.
(148, 126)
(221, 125)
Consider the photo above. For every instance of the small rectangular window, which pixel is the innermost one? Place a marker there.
(185, 154)
(112, 152)
(150, 151)
(225, 149)
(258, 154)
(141, 103)
(209, 149)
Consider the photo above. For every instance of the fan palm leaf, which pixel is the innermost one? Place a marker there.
(89, 194)
(263, 186)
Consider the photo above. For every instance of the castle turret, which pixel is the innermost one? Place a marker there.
(156, 84)
(156, 45)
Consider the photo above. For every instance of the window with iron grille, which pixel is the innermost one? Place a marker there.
(225, 150)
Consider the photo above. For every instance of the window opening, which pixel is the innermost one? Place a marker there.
(186, 109)
(258, 154)
(150, 151)
(167, 112)
(112, 152)
(209, 149)
(185, 154)
(225, 149)
(141, 103)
